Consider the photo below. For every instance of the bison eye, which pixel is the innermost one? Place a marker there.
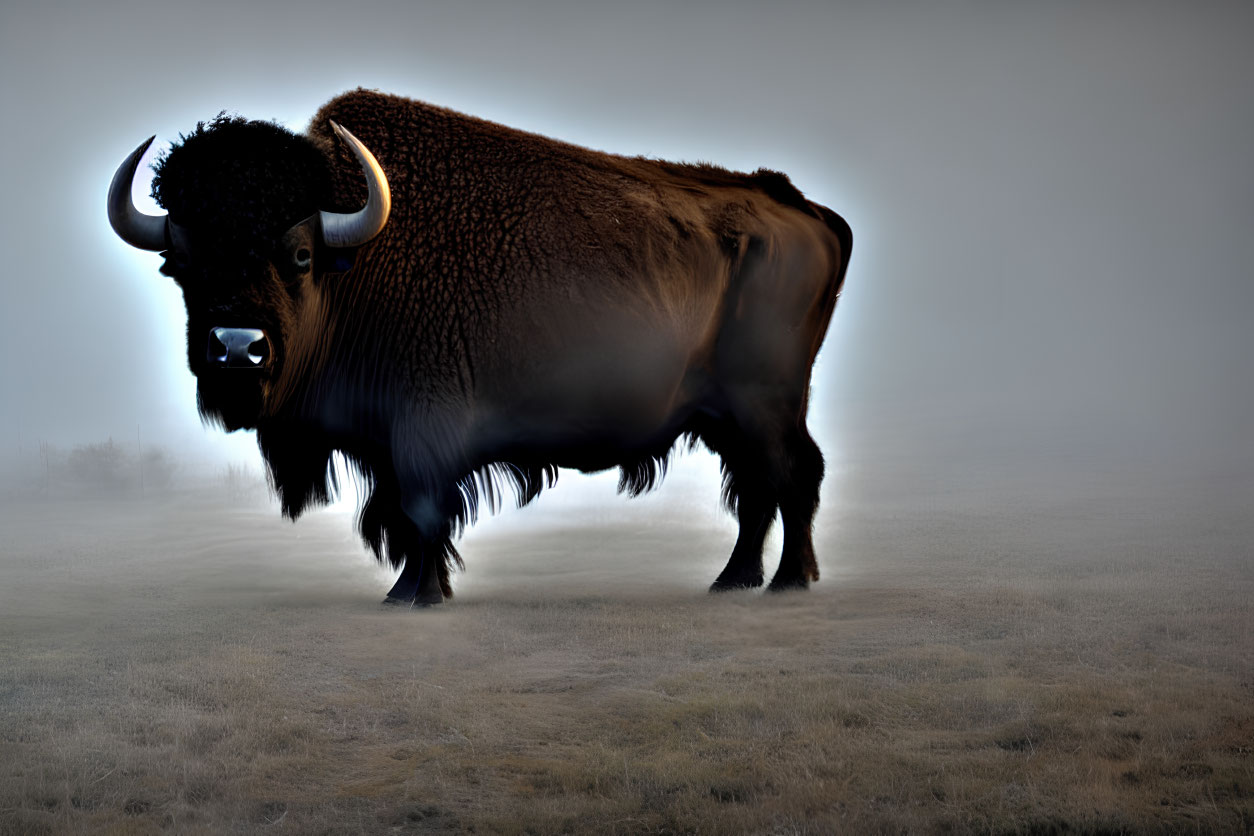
(303, 257)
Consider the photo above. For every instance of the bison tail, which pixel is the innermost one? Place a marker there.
(844, 234)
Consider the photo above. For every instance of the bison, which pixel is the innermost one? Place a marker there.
(486, 306)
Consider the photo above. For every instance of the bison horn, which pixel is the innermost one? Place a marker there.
(355, 229)
(147, 232)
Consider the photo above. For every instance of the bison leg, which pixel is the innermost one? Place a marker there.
(423, 580)
(744, 568)
(746, 491)
(405, 589)
(434, 586)
(420, 581)
(423, 551)
(798, 502)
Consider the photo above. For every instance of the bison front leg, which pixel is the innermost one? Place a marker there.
(423, 532)
(424, 557)
(420, 583)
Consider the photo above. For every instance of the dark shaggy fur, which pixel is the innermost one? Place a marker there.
(530, 304)
(241, 181)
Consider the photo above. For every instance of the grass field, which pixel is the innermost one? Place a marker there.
(1004, 665)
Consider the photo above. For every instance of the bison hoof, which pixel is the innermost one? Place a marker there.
(788, 585)
(421, 601)
(397, 602)
(729, 584)
(416, 603)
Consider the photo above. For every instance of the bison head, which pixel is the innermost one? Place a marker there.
(244, 238)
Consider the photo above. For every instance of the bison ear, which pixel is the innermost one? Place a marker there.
(356, 228)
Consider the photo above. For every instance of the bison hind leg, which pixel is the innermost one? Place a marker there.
(798, 501)
(749, 494)
(755, 510)
(770, 463)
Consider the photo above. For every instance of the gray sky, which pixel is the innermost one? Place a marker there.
(1051, 203)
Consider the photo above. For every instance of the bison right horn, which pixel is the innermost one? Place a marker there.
(147, 232)
(355, 229)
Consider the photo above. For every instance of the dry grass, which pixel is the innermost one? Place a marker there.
(1031, 672)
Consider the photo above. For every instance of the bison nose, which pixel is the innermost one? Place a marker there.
(238, 348)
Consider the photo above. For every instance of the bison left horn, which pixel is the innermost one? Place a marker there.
(355, 229)
(147, 232)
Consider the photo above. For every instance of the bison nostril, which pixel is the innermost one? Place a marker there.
(259, 351)
(217, 352)
(242, 348)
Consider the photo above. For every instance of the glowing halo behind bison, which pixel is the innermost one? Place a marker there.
(458, 306)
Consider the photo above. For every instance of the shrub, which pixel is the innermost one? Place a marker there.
(158, 468)
(101, 465)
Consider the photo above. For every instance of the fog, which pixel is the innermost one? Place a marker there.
(1051, 205)
(1035, 400)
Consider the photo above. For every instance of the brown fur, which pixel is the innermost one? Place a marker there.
(532, 304)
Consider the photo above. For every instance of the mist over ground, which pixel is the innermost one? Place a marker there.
(1050, 204)
(1035, 401)
(980, 664)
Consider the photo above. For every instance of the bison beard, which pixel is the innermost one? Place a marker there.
(528, 305)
